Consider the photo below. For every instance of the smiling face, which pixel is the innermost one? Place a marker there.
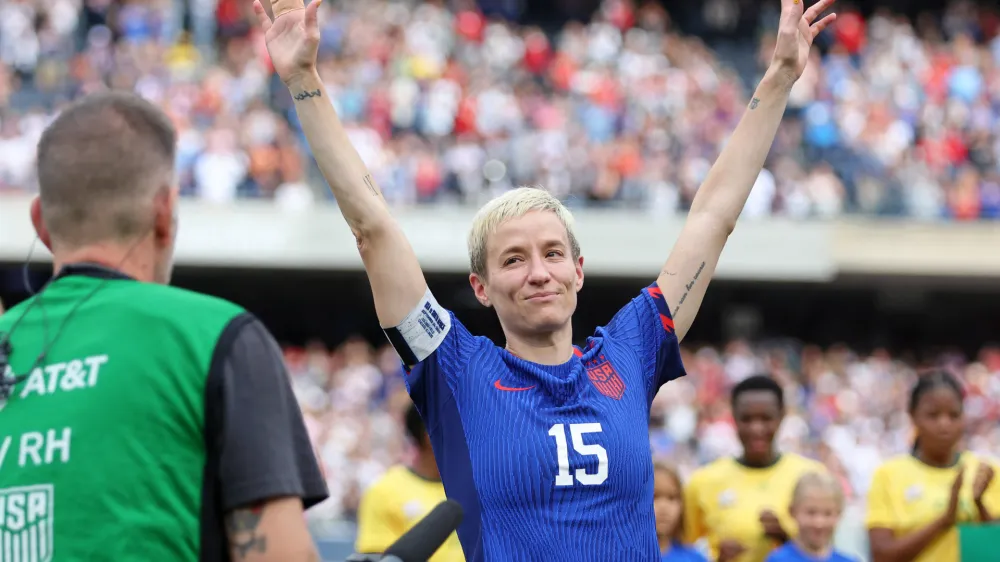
(531, 276)
(757, 414)
(816, 513)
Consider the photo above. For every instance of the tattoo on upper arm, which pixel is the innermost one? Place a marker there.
(307, 94)
(371, 185)
(244, 535)
(688, 287)
(754, 102)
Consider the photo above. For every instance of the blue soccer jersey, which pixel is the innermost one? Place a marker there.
(791, 552)
(551, 462)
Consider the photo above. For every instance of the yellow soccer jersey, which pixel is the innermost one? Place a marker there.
(907, 495)
(724, 499)
(393, 504)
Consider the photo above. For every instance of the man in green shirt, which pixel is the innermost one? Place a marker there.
(139, 421)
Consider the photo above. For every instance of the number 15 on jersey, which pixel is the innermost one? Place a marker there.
(577, 431)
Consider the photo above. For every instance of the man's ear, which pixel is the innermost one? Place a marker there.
(165, 209)
(39, 223)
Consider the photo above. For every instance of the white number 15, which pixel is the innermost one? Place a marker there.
(564, 478)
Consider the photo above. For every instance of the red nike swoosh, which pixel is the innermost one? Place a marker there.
(511, 388)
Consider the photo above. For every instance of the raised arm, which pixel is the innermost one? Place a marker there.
(292, 37)
(720, 199)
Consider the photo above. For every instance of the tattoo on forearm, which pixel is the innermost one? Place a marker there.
(754, 102)
(307, 94)
(244, 536)
(371, 185)
(687, 288)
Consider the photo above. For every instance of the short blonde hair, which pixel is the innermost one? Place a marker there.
(511, 205)
(818, 480)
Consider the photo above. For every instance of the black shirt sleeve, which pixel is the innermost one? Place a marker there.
(261, 444)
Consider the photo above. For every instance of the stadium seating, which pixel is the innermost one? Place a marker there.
(624, 111)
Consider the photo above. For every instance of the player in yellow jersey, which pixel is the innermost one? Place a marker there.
(916, 500)
(741, 504)
(402, 497)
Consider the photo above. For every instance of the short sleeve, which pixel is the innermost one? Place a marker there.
(429, 381)
(379, 523)
(260, 444)
(694, 517)
(645, 325)
(879, 507)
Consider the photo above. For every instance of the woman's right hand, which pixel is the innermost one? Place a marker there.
(951, 515)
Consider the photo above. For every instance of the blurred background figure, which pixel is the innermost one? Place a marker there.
(917, 501)
(817, 504)
(741, 504)
(668, 504)
(403, 496)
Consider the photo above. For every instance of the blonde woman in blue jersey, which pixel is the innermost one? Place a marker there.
(544, 444)
(916, 500)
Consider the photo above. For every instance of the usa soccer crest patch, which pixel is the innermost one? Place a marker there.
(26, 523)
(605, 378)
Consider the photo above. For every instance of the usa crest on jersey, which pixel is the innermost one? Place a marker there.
(26, 524)
(605, 378)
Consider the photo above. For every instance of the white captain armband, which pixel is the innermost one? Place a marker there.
(421, 332)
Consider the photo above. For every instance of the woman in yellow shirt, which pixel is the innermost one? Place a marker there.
(741, 504)
(916, 500)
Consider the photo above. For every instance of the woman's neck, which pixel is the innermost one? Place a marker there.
(554, 348)
(944, 459)
(760, 462)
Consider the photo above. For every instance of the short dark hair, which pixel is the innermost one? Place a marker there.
(932, 381)
(99, 162)
(415, 425)
(757, 383)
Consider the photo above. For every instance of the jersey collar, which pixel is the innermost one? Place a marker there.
(88, 269)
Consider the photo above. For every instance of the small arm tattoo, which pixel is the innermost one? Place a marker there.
(754, 102)
(371, 185)
(688, 287)
(244, 535)
(307, 94)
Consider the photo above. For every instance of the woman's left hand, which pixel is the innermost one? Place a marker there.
(796, 31)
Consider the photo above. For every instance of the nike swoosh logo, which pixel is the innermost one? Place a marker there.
(499, 386)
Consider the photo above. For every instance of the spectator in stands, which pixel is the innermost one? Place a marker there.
(741, 504)
(889, 104)
(917, 499)
(402, 497)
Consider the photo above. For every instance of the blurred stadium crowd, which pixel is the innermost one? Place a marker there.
(846, 409)
(896, 118)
